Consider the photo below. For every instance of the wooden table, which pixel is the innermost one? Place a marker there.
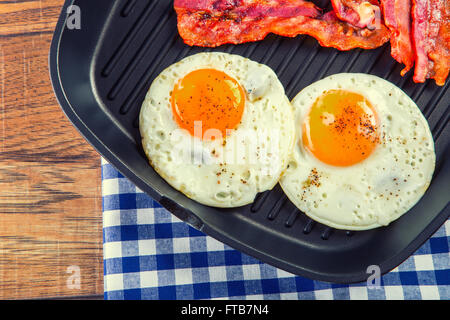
(50, 184)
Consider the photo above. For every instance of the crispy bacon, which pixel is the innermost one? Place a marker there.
(431, 39)
(359, 13)
(211, 23)
(397, 17)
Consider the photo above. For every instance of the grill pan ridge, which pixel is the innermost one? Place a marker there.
(101, 73)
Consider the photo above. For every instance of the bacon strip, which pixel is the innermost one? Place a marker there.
(359, 13)
(397, 17)
(431, 40)
(211, 23)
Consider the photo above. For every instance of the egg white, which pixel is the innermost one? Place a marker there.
(226, 172)
(381, 188)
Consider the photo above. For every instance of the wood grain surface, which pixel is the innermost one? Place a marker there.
(50, 196)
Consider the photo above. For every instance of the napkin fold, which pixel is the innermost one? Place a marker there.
(151, 254)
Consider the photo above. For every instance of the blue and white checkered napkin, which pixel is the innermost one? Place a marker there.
(151, 254)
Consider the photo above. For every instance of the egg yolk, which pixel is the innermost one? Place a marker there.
(341, 128)
(209, 98)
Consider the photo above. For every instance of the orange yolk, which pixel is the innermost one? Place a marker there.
(209, 98)
(341, 128)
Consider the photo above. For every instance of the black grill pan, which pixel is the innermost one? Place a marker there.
(102, 72)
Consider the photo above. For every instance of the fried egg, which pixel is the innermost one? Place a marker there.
(364, 154)
(218, 128)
